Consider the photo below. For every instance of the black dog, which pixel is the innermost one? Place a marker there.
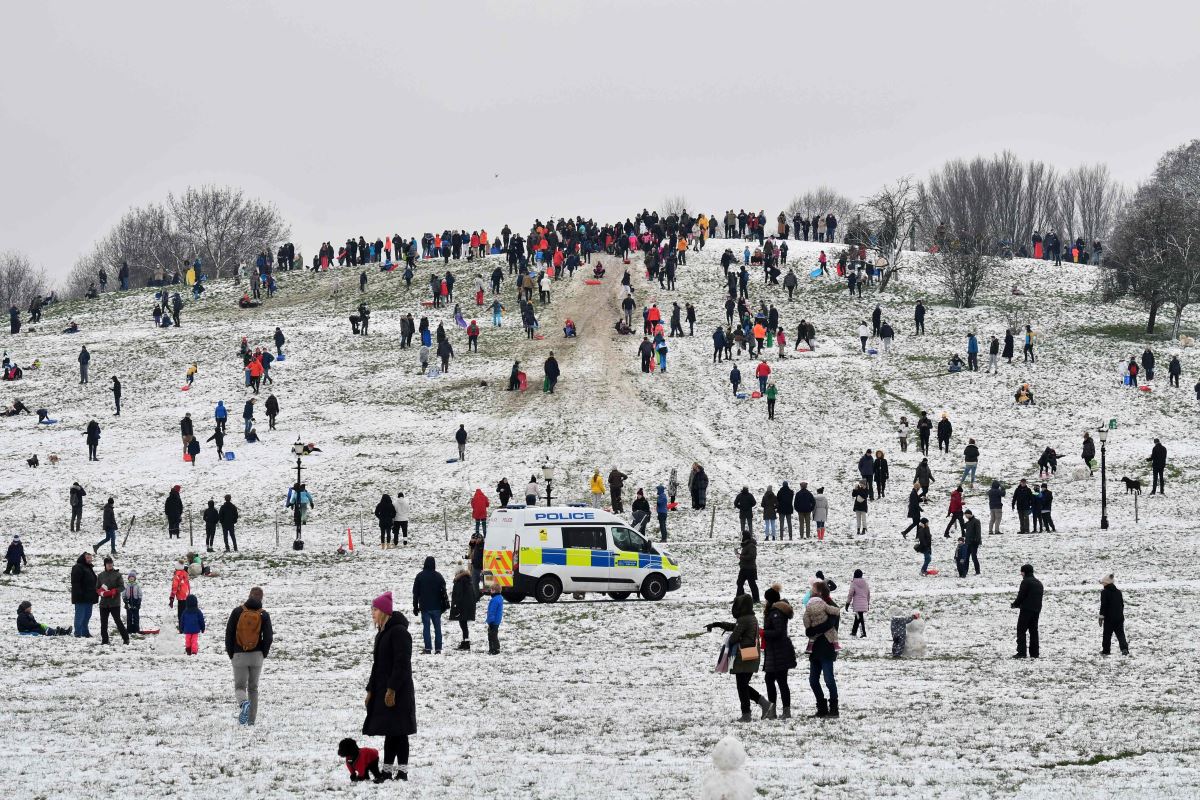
(1132, 486)
(362, 762)
(33, 462)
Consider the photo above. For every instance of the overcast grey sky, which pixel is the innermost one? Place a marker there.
(378, 118)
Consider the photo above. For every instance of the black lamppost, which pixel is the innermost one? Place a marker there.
(297, 506)
(1103, 434)
(548, 475)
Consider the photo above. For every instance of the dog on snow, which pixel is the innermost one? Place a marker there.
(32, 462)
(1132, 486)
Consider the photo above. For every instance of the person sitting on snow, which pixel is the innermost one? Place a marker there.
(622, 327)
(569, 329)
(28, 625)
(598, 270)
(955, 364)
(246, 302)
(1024, 396)
(16, 408)
(72, 327)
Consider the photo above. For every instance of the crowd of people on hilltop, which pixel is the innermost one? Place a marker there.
(549, 252)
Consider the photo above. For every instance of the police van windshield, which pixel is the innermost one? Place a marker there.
(630, 541)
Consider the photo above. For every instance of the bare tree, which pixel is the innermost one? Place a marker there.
(673, 205)
(20, 281)
(83, 273)
(821, 201)
(145, 239)
(964, 266)
(1156, 243)
(224, 228)
(884, 224)
(1094, 198)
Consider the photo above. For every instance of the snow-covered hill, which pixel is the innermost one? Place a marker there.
(600, 698)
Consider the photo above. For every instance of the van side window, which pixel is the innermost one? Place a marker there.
(629, 541)
(585, 538)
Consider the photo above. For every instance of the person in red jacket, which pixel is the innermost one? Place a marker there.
(363, 762)
(955, 512)
(479, 510)
(181, 587)
(762, 372)
(473, 336)
(256, 372)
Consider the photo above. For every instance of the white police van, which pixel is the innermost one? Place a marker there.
(545, 551)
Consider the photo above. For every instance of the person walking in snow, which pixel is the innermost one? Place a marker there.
(1112, 615)
(1029, 603)
(743, 640)
(429, 601)
(858, 600)
(391, 699)
(464, 602)
(460, 436)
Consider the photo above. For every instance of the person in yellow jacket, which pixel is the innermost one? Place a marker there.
(597, 486)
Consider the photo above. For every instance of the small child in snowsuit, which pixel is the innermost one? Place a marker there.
(495, 614)
(192, 625)
(191, 374)
(361, 761)
(132, 598)
(962, 556)
(817, 612)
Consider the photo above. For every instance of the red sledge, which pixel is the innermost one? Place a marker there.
(187, 457)
(932, 571)
(1037, 250)
(591, 281)
(755, 395)
(1143, 388)
(538, 336)
(185, 387)
(427, 303)
(522, 381)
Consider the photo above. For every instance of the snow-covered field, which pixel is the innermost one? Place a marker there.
(599, 698)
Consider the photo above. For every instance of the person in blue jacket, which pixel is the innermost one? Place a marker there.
(495, 614)
(220, 415)
(972, 353)
(660, 505)
(718, 344)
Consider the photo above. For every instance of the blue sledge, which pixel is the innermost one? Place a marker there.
(451, 460)
(281, 357)
(816, 273)
(48, 422)
(228, 456)
(872, 352)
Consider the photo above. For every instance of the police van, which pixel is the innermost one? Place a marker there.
(545, 551)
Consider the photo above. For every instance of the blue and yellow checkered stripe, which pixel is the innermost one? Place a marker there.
(583, 557)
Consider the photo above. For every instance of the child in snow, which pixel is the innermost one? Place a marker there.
(27, 624)
(816, 612)
(495, 614)
(361, 761)
(132, 598)
(191, 625)
(191, 374)
(14, 557)
(962, 556)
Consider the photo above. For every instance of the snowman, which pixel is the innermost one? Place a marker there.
(914, 643)
(727, 781)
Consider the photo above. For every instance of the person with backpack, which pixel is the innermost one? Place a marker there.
(248, 637)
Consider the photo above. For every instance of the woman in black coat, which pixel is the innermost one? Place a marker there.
(391, 701)
(1008, 346)
(779, 654)
(463, 602)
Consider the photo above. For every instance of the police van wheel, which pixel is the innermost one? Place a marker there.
(619, 595)
(654, 587)
(548, 589)
(511, 596)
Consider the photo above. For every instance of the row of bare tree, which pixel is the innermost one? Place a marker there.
(219, 225)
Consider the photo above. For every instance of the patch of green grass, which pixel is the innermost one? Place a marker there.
(1124, 331)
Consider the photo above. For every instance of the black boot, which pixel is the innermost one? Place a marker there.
(822, 708)
(833, 707)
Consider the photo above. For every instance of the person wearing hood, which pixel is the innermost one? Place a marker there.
(131, 598)
(858, 600)
(698, 486)
(391, 699)
(1112, 615)
(464, 599)
(660, 506)
(616, 482)
(640, 512)
(479, 511)
(14, 557)
(823, 654)
(1029, 603)
(181, 587)
(192, 624)
(220, 415)
(429, 601)
(743, 642)
(248, 638)
(173, 508)
(83, 594)
(77, 495)
(779, 654)
(211, 518)
(28, 624)
(385, 512)
(109, 586)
